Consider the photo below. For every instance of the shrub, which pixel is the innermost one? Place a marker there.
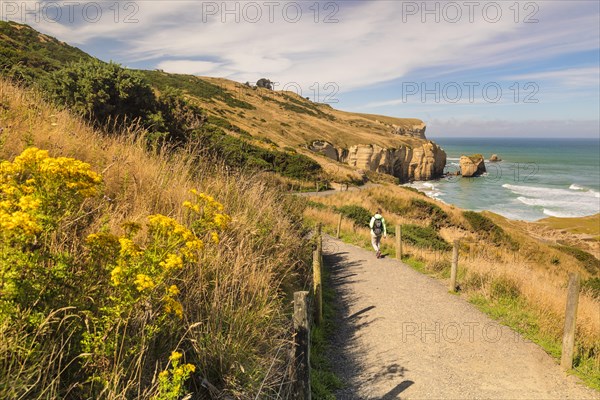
(592, 286)
(424, 237)
(317, 205)
(489, 230)
(427, 210)
(360, 215)
(101, 92)
(503, 287)
(109, 94)
(238, 153)
(588, 261)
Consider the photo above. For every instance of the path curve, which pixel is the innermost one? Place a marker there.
(400, 334)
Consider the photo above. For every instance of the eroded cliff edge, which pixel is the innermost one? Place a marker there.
(420, 159)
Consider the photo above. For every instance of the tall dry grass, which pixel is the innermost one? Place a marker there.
(236, 322)
(529, 272)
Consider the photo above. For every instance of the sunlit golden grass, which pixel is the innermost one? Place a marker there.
(536, 273)
(235, 309)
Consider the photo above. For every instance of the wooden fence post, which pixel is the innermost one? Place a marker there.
(568, 344)
(399, 242)
(454, 267)
(317, 283)
(339, 227)
(301, 347)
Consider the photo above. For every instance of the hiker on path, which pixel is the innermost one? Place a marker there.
(378, 229)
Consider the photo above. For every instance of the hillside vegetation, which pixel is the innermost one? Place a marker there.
(277, 121)
(129, 274)
(516, 278)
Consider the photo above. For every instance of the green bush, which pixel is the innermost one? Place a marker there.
(360, 215)
(592, 286)
(238, 153)
(503, 287)
(109, 94)
(317, 205)
(424, 237)
(488, 229)
(588, 261)
(426, 209)
(101, 92)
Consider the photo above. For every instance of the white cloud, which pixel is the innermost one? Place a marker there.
(506, 128)
(574, 77)
(374, 43)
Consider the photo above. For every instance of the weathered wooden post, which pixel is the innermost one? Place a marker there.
(568, 344)
(399, 242)
(454, 267)
(339, 227)
(317, 278)
(301, 351)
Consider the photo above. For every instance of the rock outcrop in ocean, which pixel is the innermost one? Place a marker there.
(472, 165)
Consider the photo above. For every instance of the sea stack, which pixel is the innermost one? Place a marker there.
(495, 158)
(472, 165)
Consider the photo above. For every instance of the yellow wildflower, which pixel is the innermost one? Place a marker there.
(29, 203)
(189, 368)
(143, 282)
(163, 374)
(173, 290)
(215, 237)
(173, 306)
(115, 276)
(175, 356)
(173, 261)
(191, 206)
(128, 248)
(221, 220)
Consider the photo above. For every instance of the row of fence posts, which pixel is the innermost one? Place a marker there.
(302, 311)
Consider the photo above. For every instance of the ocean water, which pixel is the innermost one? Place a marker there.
(536, 178)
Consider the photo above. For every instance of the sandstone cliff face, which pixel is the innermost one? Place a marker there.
(472, 165)
(417, 131)
(423, 162)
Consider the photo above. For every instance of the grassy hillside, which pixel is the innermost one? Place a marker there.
(272, 120)
(284, 117)
(117, 281)
(517, 278)
(28, 55)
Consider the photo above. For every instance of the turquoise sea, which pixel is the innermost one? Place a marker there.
(536, 178)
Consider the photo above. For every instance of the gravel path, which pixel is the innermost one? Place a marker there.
(400, 334)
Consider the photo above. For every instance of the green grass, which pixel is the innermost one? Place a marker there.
(512, 310)
(323, 381)
(194, 86)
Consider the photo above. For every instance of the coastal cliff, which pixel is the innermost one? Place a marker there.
(420, 160)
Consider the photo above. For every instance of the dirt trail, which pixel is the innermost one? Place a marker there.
(400, 334)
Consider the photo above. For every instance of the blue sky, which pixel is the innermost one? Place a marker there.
(481, 68)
